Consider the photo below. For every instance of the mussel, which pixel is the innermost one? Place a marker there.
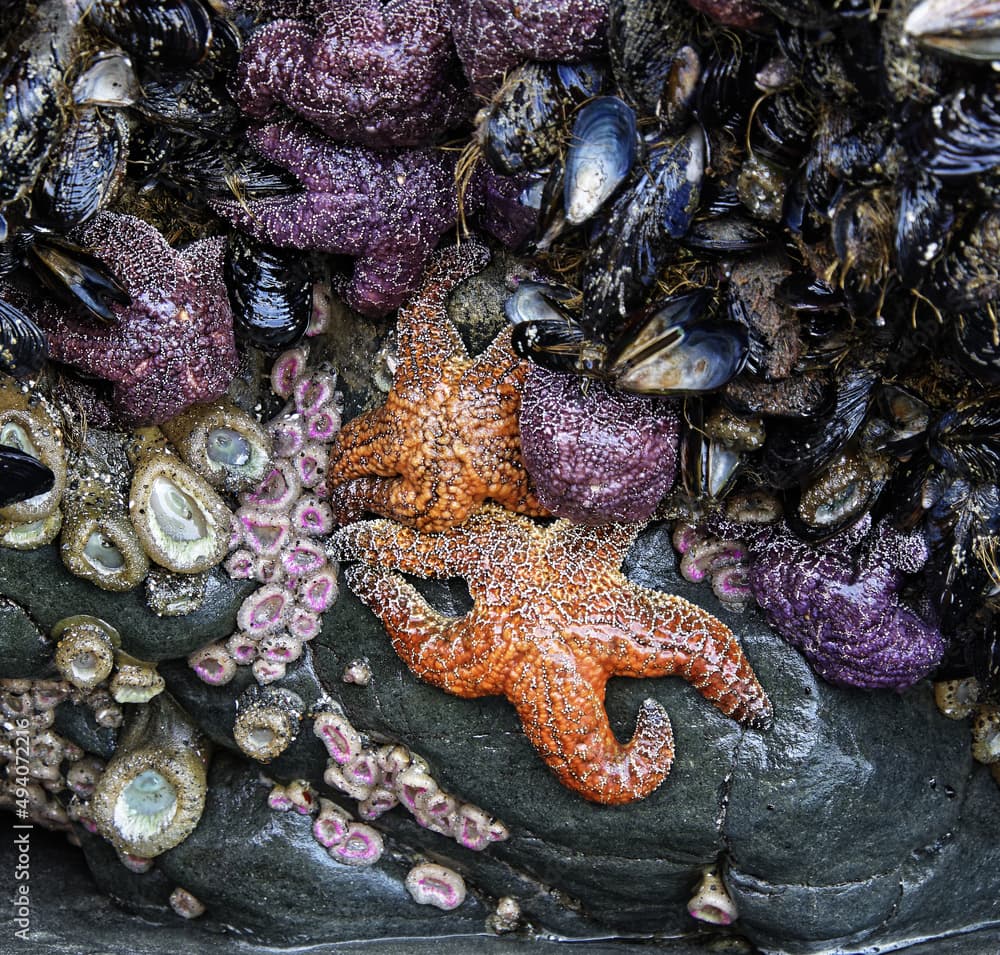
(642, 225)
(23, 347)
(22, 476)
(600, 155)
(270, 291)
(969, 29)
(524, 127)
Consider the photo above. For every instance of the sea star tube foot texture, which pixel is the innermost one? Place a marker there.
(553, 618)
(839, 602)
(386, 209)
(361, 71)
(446, 438)
(596, 454)
(173, 345)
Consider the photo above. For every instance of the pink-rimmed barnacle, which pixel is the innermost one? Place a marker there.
(213, 664)
(361, 846)
(360, 70)
(724, 563)
(331, 825)
(437, 885)
(341, 739)
(173, 345)
(266, 610)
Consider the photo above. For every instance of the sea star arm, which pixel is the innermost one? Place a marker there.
(425, 336)
(670, 636)
(563, 716)
(595, 547)
(262, 77)
(436, 648)
(455, 553)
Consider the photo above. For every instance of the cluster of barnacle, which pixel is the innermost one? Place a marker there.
(38, 763)
(277, 532)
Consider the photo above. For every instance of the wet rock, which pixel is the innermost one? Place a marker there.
(24, 650)
(213, 708)
(47, 591)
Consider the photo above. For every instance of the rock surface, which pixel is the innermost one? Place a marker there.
(38, 581)
(858, 821)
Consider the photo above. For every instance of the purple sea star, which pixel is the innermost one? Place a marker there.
(363, 71)
(838, 602)
(387, 209)
(493, 36)
(596, 455)
(173, 345)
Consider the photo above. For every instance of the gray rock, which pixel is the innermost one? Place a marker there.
(26, 653)
(41, 584)
(287, 884)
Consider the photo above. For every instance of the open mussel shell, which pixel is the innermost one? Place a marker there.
(22, 476)
(270, 291)
(30, 426)
(535, 301)
(76, 276)
(109, 80)
(969, 29)
(23, 346)
(967, 439)
(905, 418)
(670, 349)
(708, 466)
(600, 155)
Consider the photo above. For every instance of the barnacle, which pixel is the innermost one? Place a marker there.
(152, 793)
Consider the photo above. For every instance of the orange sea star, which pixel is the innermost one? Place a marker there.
(553, 618)
(446, 438)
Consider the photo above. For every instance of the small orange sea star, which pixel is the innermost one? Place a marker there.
(447, 437)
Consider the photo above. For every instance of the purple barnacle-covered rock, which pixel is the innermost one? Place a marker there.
(360, 70)
(494, 36)
(173, 345)
(838, 602)
(387, 209)
(596, 454)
